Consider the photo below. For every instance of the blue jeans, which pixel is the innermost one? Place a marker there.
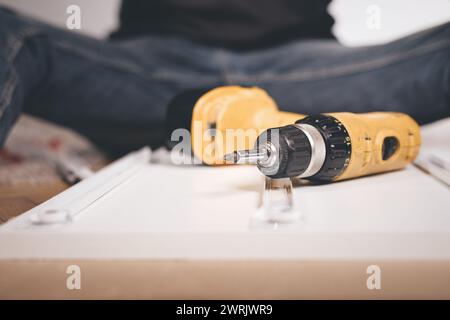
(116, 93)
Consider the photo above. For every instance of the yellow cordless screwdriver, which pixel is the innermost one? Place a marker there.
(334, 146)
(323, 147)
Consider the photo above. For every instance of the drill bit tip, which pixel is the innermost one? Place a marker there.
(231, 157)
(245, 156)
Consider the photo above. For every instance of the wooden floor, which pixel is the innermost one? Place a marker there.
(15, 200)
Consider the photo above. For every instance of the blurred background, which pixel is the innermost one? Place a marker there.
(397, 17)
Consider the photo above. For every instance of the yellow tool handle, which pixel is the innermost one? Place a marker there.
(380, 142)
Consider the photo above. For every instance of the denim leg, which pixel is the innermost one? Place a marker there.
(410, 75)
(24, 66)
(115, 93)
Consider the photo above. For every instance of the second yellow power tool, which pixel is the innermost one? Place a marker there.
(323, 147)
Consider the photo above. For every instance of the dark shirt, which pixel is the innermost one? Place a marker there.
(236, 24)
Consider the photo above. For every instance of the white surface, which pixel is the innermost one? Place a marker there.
(98, 18)
(66, 207)
(398, 18)
(205, 213)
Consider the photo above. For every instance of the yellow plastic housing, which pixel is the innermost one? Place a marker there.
(367, 132)
(237, 111)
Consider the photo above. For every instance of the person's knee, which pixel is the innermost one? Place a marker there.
(15, 34)
(9, 22)
(6, 15)
(12, 24)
